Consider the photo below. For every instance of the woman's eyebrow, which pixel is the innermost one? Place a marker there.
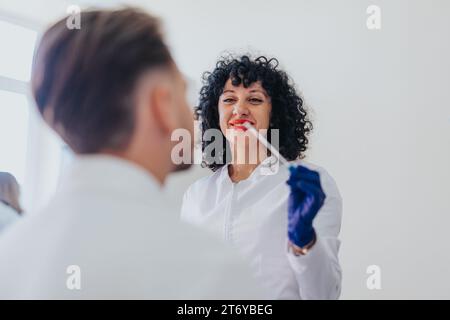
(228, 90)
(260, 91)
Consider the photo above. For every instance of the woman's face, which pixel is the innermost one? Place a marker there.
(240, 104)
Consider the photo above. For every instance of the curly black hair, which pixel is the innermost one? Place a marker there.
(288, 112)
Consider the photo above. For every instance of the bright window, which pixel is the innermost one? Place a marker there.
(14, 115)
(16, 54)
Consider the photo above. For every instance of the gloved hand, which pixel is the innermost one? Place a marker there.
(305, 200)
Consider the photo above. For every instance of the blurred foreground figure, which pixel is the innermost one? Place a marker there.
(112, 91)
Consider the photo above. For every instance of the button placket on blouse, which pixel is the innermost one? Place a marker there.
(231, 214)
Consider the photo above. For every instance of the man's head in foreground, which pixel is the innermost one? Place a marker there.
(112, 87)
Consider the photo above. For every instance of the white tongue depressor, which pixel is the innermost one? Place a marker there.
(267, 144)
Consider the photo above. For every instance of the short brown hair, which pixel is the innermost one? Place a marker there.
(85, 77)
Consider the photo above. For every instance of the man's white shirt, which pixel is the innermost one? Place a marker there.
(107, 234)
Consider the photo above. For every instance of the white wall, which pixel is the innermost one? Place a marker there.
(381, 110)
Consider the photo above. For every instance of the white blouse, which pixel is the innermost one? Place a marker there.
(252, 214)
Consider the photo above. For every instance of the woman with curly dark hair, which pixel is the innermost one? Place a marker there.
(288, 231)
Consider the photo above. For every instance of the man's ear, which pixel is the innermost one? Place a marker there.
(162, 107)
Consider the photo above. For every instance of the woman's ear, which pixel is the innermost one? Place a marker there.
(163, 108)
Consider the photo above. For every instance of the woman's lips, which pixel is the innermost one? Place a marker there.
(238, 124)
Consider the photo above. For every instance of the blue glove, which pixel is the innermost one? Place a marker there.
(305, 200)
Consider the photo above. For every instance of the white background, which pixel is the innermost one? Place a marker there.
(381, 108)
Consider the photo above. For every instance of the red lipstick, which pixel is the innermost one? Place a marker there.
(237, 124)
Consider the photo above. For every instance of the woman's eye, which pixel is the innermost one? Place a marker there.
(255, 100)
(228, 100)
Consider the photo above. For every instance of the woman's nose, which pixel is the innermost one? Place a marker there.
(239, 109)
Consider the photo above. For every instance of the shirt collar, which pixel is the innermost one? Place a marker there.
(267, 167)
(108, 172)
